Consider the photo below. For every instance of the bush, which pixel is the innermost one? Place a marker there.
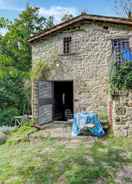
(121, 76)
(7, 115)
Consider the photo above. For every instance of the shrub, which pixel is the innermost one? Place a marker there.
(6, 116)
(121, 76)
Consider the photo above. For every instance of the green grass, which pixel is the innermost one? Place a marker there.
(49, 162)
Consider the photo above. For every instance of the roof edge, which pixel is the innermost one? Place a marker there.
(83, 16)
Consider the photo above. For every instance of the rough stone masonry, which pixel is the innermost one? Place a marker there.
(87, 65)
(122, 113)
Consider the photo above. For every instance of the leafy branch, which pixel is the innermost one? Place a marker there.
(121, 76)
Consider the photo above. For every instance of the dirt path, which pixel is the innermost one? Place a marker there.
(62, 132)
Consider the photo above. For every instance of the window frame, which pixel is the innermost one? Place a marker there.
(118, 44)
(67, 45)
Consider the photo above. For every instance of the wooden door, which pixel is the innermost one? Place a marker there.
(45, 111)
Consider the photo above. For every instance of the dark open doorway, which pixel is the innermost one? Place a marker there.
(63, 100)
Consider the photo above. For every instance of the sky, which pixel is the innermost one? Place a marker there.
(57, 8)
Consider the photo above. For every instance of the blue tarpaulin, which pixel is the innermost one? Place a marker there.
(83, 118)
(127, 54)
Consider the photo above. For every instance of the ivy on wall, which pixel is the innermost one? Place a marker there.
(121, 76)
(40, 71)
(42, 68)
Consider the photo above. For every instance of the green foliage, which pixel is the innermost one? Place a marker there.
(15, 52)
(103, 114)
(15, 58)
(21, 134)
(49, 22)
(40, 70)
(121, 76)
(6, 115)
(67, 17)
(4, 22)
(13, 94)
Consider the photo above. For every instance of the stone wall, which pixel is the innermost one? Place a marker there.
(88, 63)
(122, 113)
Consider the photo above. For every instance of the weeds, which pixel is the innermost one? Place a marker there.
(49, 162)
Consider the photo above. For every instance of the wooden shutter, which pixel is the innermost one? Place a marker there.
(45, 113)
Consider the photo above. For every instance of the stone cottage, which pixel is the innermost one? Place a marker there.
(84, 47)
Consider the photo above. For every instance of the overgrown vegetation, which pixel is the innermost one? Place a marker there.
(49, 162)
(40, 70)
(15, 61)
(43, 68)
(121, 76)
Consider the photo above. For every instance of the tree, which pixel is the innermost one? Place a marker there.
(15, 51)
(4, 23)
(15, 58)
(66, 17)
(124, 7)
(50, 22)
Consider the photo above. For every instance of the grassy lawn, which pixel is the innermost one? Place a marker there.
(49, 162)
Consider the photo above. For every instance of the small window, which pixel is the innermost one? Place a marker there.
(67, 45)
(105, 27)
(118, 46)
